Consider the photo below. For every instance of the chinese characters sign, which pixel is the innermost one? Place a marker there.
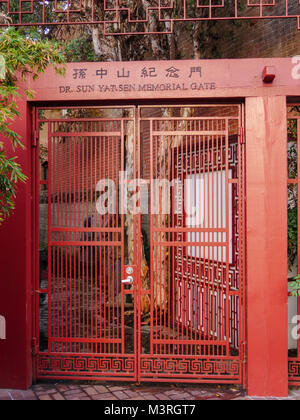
(174, 80)
(136, 77)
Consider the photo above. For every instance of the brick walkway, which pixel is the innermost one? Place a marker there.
(116, 391)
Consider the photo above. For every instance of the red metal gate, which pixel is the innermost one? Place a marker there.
(142, 262)
(294, 249)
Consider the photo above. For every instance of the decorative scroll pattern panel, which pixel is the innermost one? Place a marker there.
(294, 371)
(143, 16)
(86, 365)
(197, 367)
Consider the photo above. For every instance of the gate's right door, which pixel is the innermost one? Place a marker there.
(194, 159)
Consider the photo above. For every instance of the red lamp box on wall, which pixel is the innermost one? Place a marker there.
(269, 74)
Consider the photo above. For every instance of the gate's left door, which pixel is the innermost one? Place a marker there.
(83, 246)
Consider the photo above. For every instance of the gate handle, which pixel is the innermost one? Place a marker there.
(129, 280)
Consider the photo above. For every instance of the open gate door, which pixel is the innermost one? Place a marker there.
(87, 246)
(195, 168)
(141, 244)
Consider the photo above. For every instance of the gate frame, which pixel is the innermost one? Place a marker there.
(137, 355)
(266, 186)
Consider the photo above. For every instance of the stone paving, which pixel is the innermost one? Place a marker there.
(116, 391)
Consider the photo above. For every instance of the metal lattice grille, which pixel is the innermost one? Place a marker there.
(92, 321)
(86, 300)
(112, 14)
(293, 191)
(196, 260)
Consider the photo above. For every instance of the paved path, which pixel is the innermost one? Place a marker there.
(117, 391)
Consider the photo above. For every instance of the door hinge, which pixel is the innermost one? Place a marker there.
(34, 347)
(35, 138)
(244, 354)
(242, 135)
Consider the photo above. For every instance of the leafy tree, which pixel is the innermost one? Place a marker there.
(294, 286)
(88, 43)
(24, 56)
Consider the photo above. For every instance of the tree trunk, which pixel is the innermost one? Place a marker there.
(116, 49)
(132, 235)
(161, 254)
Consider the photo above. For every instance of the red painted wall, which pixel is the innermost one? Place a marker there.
(266, 216)
(15, 276)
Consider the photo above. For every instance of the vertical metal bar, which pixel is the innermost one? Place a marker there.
(209, 248)
(178, 218)
(227, 240)
(242, 253)
(97, 288)
(75, 255)
(94, 238)
(80, 255)
(67, 275)
(298, 216)
(184, 254)
(62, 248)
(189, 126)
(70, 237)
(137, 215)
(83, 222)
(166, 249)
(240, 192)
(35, 235)
(102, 318)
(217, 236)
(89, 246)
(115, 248)
(84, 249)
(50, 267)
(223, 225)
(201, 235)
(122, 143)
(108, 248)
(151, 239)
(197, 262)
(214, 174)
(136, 242)
(174, 237)
(112, 238)
(161, 235)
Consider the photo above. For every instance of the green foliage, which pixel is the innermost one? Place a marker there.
(10, 174)
(292, 235)
(24, 57)
(292, 195)
(294, 286)
(80, 49)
